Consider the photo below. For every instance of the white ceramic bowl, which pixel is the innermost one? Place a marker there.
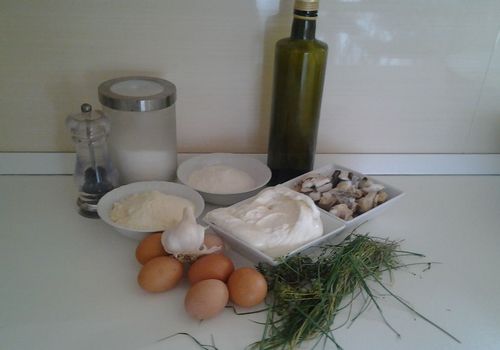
(255, 168)
(394, 194)
(106, 202)
(332, 228)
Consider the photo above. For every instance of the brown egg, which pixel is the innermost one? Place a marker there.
(212, 266)
(160, 274)
(212, 240)
(149, 248)
(247, 287)
(206, 299)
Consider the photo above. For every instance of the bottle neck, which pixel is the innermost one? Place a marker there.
(303, 26)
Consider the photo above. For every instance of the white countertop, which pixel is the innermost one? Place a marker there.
(67, 282)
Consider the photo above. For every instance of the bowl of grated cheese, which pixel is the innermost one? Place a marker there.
(140, 208)
(224, 178)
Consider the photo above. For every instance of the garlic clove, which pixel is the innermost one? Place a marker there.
(213, 240)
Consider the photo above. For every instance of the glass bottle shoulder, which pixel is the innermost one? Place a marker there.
(300, 44)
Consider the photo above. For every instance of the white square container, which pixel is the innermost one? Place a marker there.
(394, 194)
(332, 227)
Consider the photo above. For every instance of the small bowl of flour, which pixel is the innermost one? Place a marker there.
(224, 178)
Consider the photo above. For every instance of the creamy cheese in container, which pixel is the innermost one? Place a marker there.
(276, 221)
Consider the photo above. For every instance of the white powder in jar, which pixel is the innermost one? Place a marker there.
(151, 210)
(144, 165)
(221, 179)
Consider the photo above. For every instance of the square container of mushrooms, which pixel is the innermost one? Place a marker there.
(346, 194)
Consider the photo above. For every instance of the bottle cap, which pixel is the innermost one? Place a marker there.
(137, 94)
(306, 5)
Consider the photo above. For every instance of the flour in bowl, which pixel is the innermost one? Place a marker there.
(221, 179)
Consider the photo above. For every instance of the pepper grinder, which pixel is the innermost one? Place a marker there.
(94, 173)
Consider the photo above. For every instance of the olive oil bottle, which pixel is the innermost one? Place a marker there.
(299, 72)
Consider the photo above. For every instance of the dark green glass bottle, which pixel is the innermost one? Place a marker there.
(299, 72)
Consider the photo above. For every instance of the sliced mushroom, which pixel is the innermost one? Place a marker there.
(355, 181)
(367, 186)
(364, 182)
(344, 186)
(307, 182)
(315, 196)
(335, 178)
(356, 193)
(320, 180)
(344, 197)
(327, 200)
(324, 188)
(381, 197)
(373, 188)
(306, 190)
(314, 182)
(367, 202)
(345, 175)
(354, 208)
(342, 211)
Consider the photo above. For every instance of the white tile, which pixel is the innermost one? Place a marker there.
(368, 124)
(484, 135)
(404, 76)
(492, 79)
(412, 71)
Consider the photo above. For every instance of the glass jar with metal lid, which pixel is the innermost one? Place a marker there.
(143, 141)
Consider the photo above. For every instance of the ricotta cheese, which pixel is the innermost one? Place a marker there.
(276, 221)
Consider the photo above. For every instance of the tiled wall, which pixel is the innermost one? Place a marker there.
(419, 76)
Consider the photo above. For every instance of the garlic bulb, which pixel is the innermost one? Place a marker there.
(185, 240)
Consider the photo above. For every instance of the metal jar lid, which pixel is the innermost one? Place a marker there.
(137, 94)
